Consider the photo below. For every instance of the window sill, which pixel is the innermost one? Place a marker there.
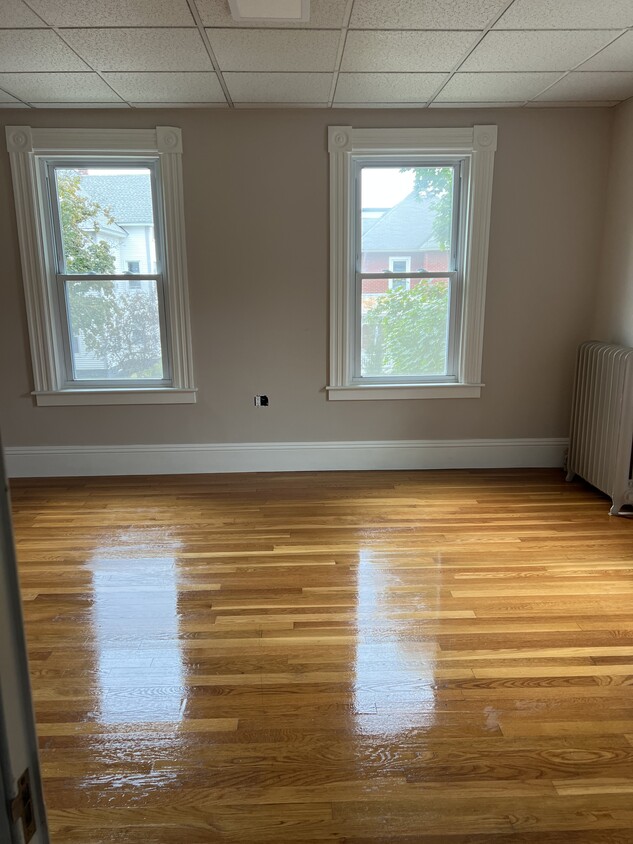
(370, 392)
(148, 395)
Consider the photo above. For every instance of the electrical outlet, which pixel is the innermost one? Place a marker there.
(261, 401)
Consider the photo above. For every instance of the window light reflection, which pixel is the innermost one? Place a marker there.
(136, 623)
(394, 671)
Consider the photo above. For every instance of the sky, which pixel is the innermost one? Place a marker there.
(383, 187)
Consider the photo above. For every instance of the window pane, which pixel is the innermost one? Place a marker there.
(114, 329)
(406, 216)
(404, 331)
(106, 219)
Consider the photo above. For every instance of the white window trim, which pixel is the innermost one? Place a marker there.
(478, 144)
(25, 144)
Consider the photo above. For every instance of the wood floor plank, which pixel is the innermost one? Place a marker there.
(402, 657)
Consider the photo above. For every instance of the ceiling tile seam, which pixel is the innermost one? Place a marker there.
(276, 28)
(117, 28)
(623, 32)
(341, 49)
(26, 102)
(207, 46)
(90, 71)
(15, 97)
(55, 29)
(491, 29)
(452, 73)
(572, 69)
(309, 29)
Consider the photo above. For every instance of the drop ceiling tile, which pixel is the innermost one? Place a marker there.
(571, 103)
(567, 14)
(511, 104)
(275, 49)
(167, 87)
(140, 49)
(6, 98)
(432, 14)
(597, 85)
(36, 49)
(405, 51)
(387, 87)
(535, 51)
(58, 87)
(324, 14)
(494, 87)
(162, 104)
(117, 104)
(617, 56)
(113, 12)
(279, 87)
(14, 13)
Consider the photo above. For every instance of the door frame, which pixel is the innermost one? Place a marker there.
(18, 737)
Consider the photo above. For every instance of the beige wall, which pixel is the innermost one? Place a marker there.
(256, 194)
(614, 292)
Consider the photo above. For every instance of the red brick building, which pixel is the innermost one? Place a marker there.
(400, 239)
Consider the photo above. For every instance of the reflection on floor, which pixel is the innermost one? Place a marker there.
(352, 657)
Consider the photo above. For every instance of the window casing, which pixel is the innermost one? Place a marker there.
(51, 281)
(469, 155)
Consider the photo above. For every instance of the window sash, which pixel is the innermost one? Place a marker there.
(70, 381)
(452, 325)
(455, 274)
(48, 166)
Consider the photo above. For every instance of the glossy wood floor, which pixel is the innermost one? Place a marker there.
(351, 657)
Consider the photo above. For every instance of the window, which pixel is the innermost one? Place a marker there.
(399, 265)
(84, 199)
(409, 236)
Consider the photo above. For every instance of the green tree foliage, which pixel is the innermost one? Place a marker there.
(436, 184)
(405, 332)
(81, 253)
(119, 327)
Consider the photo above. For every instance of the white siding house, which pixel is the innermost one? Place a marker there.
(127, 199)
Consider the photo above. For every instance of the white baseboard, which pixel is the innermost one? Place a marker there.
(65, 461)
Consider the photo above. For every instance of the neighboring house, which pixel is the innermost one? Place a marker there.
(399, 239)
(127, 198)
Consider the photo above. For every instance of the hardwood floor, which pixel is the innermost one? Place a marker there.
(353, 657)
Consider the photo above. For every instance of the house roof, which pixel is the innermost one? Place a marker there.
(407, 227)
(127, 196)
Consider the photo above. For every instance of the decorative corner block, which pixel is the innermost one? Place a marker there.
(485, 138)
(339, 138)
(19, 139)
(168, 139)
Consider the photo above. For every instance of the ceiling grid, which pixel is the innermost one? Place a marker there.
(350, 53)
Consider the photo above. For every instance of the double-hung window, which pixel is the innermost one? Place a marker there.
(410, 213)
(103, 259)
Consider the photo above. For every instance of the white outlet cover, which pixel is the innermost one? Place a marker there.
(264, 11)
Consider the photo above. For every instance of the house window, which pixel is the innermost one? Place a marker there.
(134, 267)
(83, 199)
(409, 233)
(396, 266)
